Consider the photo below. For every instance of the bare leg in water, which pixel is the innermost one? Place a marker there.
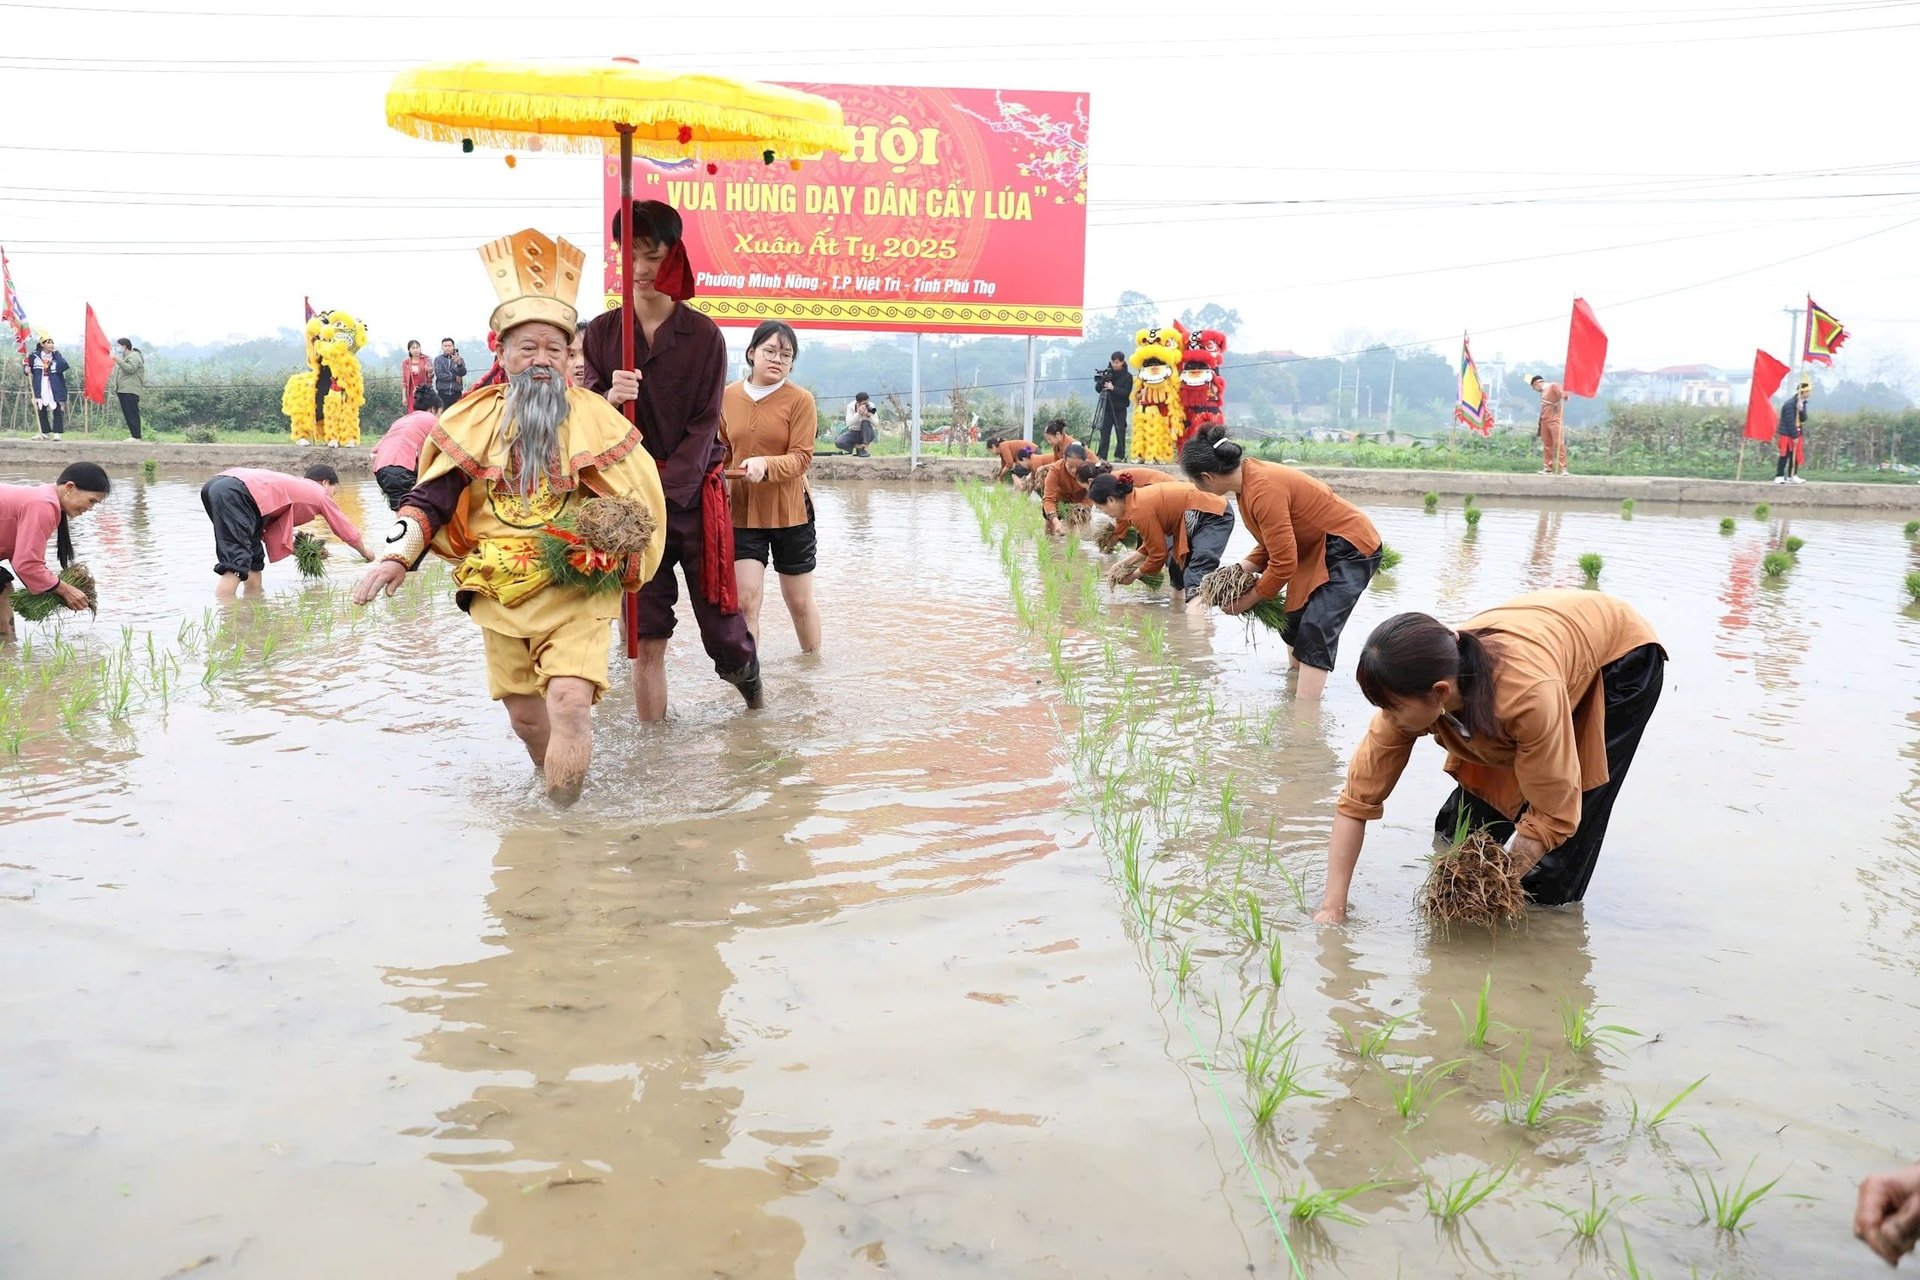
(558, 733)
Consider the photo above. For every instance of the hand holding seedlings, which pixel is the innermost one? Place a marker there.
(1887, 1218)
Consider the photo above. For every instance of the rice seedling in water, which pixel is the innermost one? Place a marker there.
(1277, 963)
(1389, 559)
(1228, 583)
(1775, 564)
(1653, 1122)
(1183, 963)
(1794, 544)
(1590, 565)
(1412, 1090)
(1526, 1104)
(1726, 524)
(1470, 500)
(149, 469)
(1626, 508)
(1154, 633)
(1330, 1203)
(1762, 511)
(1913, 585)
(1632, 1270)
(1913, 527)
(1732, 1202)
(1370, 1045)
(1577, 1025)
(1472, 515)
(1431, 502)
(1280, 1081)
(1152, 581)
(1589, 1220)
(1475, 882)
(1453, 1200)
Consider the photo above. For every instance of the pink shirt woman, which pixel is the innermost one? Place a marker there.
(30, 515)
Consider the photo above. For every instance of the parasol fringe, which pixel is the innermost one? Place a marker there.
(515, 117)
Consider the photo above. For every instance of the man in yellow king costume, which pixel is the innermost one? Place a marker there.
(504, 472)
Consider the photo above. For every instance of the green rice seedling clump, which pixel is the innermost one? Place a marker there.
(1590, 565)
(1794, 544)
(1726, 1206)
(1475, 1029)
(1726, 524)
(1389, 559)
(1913, 584)
(1580, 1030)
(149, 469)
(1330, 1203)
(38, 606)
(1626, 508)
(310, 554)
(1775, 564)
(1762, 511)
(1453, 1200)
(1913, 527)
(1472, 515)
(1431, 502)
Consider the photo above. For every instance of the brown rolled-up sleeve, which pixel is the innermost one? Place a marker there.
(1546, 763)
(1374, 771)
(1055, 490)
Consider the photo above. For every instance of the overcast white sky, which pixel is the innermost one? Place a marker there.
(1382, 167)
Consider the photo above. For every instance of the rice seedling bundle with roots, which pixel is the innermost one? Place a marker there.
(309, 555)
(1231, 581)
(1475, 883)
(38, 606)
(620, 526)
(1109, 539)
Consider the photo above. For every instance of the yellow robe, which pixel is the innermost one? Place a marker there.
(493, 538)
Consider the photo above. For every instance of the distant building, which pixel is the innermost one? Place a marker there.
(1695, 384)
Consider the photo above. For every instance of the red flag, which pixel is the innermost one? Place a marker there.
(99, 360)
(1825, 333)
(1768, 374)
(309, 305)
(1586, 352)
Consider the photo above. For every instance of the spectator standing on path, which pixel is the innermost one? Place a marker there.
(128, 382)
(416, 371)
(449, 373)
(1113, 388)
(1553, 425)
(1792, 435)
(48, 370)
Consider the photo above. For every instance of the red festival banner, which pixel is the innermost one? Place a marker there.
(956, 211)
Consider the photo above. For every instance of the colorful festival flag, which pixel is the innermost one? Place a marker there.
(1825, 333)
(1473, 409)
(99, 359)
(1768, 374)
(1586, 352)
(10, 309)
(309, 315)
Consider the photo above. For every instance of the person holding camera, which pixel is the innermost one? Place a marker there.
(860, 430)
(1113, 392)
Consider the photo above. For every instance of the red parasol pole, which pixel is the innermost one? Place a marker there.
(630, 606)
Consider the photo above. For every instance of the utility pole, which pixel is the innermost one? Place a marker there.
(1794, 349)
(1392, 371)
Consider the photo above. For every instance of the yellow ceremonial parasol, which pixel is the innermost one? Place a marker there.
(579, 107)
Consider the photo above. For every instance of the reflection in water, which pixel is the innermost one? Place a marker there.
(1546, 548)
(595, 1131)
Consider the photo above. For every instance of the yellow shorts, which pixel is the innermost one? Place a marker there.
(520, 666)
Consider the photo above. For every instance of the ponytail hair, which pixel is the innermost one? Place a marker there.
(1089, 469)
(1210, 453)
(1107, 487)
(1409, 653)
(90, 477)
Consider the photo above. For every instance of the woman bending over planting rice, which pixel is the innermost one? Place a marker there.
(1308, 539)
(1540, 704)
(1182, 530)
(1064, 485)
(767, 426)
(32, 514)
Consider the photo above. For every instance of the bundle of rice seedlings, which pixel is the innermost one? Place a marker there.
(1076, 515)
(621, 526)
(1775, 564)
(1474, 883)
(310, 555)
(1590, 565)
(1389, 559)
(38, 606)
(1107, 539)
(1231, 581)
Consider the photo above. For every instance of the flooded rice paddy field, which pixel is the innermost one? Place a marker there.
(940, 966)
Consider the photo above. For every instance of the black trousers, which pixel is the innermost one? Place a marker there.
(1113, 428)
(238, 529)
(1632, 684)
(59, 413)
(130, 410)
(1207, 536)
(395, 483)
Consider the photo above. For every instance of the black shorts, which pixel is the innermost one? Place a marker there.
(794, 550)
(1313, 630)
(395, 482)
(6, 580)
(238, 530)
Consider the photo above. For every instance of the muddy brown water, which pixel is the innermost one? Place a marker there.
(305, 979)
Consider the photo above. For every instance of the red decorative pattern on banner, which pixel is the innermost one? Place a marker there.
(956, 211)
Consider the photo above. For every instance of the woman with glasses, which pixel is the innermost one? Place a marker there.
(768, 426)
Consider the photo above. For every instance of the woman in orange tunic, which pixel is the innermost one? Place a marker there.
(1540, 705)
(1181, 529)
(1307, 538)
(767, 425)
(1063, 484)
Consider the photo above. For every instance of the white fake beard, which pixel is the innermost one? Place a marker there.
(530, 424)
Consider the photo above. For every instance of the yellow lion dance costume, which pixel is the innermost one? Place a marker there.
(324, 402)
(1158, 419)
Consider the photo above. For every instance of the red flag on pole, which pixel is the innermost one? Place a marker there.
(99, 360)
(1768, 374)
(1586, 352)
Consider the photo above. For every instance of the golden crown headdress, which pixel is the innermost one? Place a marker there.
(535, 278)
